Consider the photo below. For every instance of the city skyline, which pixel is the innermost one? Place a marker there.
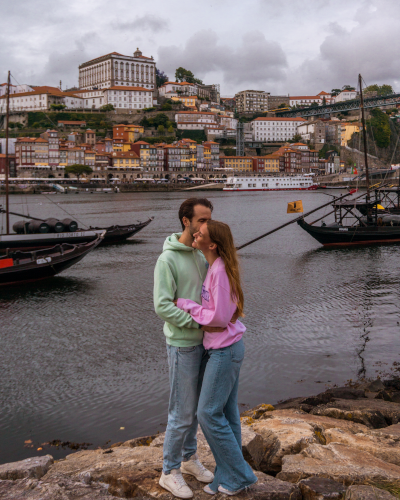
(301, 48)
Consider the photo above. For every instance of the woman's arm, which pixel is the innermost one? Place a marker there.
(218, 316)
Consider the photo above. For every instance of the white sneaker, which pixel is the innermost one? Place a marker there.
(208, 490)
(175, 483)
(195, 468)
(227, 492)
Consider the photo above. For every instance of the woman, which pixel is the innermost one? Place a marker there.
(218, 411)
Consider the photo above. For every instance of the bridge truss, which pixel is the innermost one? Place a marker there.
(328, 109)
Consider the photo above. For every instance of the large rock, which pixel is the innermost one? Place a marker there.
(344, 393)
(374, 413)
(139, 441)
(367, 493)
(382, 447)
(338, 462)
(35, 467)
(321, 488)
(392, 431)
(65, 489)
(375, 386)
(135, 472)
(252, 447)
(282, 436)
(319, 423)
(257, 411)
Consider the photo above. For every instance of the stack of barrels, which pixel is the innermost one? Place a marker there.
(46, 226)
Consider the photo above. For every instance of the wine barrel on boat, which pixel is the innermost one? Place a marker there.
(56, 226)
(70, 225)
(390, 220)
(37, 226)
(21, 227)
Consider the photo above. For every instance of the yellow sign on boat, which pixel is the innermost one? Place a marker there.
(295, 207)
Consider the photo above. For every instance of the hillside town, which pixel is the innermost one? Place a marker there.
(168, 131)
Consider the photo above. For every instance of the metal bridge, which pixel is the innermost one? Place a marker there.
(328, 109)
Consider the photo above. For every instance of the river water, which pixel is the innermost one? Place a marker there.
(82, 355)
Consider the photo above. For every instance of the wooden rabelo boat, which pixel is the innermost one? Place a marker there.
(365, 220)
(43, 234)
(18, 267)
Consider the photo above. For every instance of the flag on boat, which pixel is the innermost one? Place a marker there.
(295, 207)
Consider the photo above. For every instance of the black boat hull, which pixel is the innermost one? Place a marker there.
(29, 242)
(46, 264)
(349, 236)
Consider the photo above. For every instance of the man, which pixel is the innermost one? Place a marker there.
(179, 273)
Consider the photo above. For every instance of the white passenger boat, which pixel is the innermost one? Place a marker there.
(270, 183)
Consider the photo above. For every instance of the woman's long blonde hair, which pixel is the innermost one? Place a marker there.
(220, 234)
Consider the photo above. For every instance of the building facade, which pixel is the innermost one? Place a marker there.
(116, 69)
(251, 101)
(274, 129)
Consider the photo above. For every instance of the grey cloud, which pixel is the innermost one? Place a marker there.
(370, 48)
(148, 22)
(254, 61)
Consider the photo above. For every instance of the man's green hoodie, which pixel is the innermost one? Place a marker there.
(179, 273)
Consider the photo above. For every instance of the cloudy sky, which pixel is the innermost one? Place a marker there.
(296, 47)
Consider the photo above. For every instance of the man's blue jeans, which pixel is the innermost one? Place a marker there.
(219, 417)
(186, 370)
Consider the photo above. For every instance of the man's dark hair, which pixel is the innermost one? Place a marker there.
(187, 208)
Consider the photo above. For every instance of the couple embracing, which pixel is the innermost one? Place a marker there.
(197, 292)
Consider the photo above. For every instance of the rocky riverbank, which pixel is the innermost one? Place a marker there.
(341, 444)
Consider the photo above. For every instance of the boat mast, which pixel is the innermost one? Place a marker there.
(365, 136)
(6, 166)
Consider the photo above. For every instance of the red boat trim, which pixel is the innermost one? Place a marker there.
(368, 242)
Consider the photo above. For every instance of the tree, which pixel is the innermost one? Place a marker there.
(57, 107)
(166, 107)
(283, 105)
(335, 92)
(348, 87)
(161, 129)
(170, 129)
(185, 75)
(107, 107)
(78, 170)
(324, 101)
(161, 78)
(381, 90)
(380, 124)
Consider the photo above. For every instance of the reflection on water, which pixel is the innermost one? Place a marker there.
(83, 354)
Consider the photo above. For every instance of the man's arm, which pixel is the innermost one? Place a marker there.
(164, 294)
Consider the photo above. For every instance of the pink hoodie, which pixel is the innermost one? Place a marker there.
(216, 309)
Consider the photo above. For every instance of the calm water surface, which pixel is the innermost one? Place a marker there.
(83, 354)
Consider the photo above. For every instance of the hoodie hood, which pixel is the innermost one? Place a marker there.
(172, 243)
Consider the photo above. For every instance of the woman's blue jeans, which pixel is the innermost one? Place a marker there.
(219, 417)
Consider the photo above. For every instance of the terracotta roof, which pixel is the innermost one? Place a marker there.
(89, 130)
(142, 142)
(177, 83)
(110, 54)
(276, 118)
(39, 139)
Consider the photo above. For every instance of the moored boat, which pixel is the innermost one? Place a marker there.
(18, 267)
(257, 182)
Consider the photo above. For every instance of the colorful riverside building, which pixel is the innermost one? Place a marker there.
(237, 163)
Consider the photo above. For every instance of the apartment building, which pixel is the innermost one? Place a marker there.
(195, 120)
(237, 163)
(183, 88)
(147, 155)
(266, 164)
(127, 133)
(251, 101)
(274, 129)
(116, 69)
(128, 160)
(313, 131)
(128, 97)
